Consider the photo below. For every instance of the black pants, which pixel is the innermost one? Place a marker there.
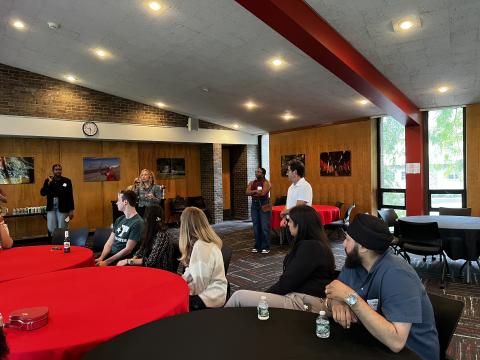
(196, 303)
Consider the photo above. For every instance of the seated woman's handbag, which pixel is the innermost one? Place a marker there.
(28, 318)
(267, 206)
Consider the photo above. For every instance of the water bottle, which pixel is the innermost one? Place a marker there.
(262, 309)
(323, 325)
(66, 243)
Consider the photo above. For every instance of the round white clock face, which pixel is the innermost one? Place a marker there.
(90, 128)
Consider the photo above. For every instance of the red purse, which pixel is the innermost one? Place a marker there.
(28, 319)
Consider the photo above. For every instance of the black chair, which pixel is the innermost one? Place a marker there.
(198, 202)
(100, 237)
(447, 314)
(455, 211)
(342, 223)
(177, 206)
(389, 217)
(422, 239)
(78, 237)
(339, 205)
(58, 236)
(281, 200)
(227, 256)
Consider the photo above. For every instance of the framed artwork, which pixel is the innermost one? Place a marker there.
(16, 170)
(101, 169)
(335, 163)
(286, 158)
(170, 168)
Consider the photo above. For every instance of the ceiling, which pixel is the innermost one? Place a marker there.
(218, 45)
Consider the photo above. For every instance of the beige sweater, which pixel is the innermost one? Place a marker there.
(205, 274)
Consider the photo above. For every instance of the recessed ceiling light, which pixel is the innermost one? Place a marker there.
(205, 89)
(277, 62)
(443, 89)
(101, 53)
(155, 6)
(363, 102)
(250, 105)
(19, 25)
(71, 78)
(236, 126)
(288, 116)
(161, 104)
(407, 23)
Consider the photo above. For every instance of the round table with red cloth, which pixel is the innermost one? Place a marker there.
(327, 214)
(20, 262)
(88, 306)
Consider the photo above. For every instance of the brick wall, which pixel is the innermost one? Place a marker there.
(211, 180)
(28, 94)
(244, 161)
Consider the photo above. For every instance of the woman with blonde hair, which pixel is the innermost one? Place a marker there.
(147, 191)
(200, 248)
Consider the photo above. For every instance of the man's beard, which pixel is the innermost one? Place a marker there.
(353, 258)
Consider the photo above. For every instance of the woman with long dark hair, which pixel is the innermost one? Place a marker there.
(157, 249)
(307, 268)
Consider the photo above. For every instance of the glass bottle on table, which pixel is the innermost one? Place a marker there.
(322, 328)
(262, 309)
(66, 243)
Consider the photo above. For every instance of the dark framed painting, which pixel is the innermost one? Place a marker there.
(170, 168)
(101, 169)
(335, 163)
(16, 170)
(285, 160)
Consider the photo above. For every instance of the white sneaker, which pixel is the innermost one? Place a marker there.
(254, 250)
(265, 251)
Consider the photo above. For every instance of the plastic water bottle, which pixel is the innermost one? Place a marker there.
(262, 309)
(323, 325)
(66, 243)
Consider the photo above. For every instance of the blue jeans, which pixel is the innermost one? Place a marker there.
(261, 225)
(56, 219)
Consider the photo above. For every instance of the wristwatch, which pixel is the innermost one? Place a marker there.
(130, 262)
(351, 299)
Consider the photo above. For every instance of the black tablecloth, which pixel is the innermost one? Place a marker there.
(236, 333)
(462, 234)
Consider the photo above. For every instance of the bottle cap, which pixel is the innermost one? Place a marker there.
(323, 313)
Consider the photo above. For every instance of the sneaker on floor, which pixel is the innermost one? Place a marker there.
(265, 251)
(254, 250)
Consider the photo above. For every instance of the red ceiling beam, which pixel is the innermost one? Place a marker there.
(302, 26)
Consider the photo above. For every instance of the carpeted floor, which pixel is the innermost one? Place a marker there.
(258, 271)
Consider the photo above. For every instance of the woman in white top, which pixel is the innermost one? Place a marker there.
(200, 248)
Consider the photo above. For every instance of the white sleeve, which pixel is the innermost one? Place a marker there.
(305, 193)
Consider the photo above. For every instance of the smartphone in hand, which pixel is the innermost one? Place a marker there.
(67, 219)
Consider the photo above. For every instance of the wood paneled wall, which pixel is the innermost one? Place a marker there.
(473, 158)
(92, 199)
(226, 178)
(359, 137)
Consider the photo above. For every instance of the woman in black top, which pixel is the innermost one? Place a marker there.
(157, 249)
(307, 268)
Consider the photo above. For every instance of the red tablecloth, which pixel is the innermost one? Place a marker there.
(89, 306)
(25, 261)
(327, 214)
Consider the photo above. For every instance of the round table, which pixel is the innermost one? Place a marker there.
(20, 262)
(88, 306)
(236, 333)
(327, 214)
(462, 235)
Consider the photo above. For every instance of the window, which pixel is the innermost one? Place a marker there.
(391, 164)
(446, 154)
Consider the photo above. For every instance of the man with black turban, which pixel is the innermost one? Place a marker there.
(382, 291)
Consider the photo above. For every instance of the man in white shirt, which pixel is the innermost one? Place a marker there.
(299, 193)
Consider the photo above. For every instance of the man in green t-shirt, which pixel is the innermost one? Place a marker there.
(127, 231)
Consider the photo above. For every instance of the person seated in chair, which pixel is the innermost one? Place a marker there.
(126, 233)
(382, 291)
(201, 253)
(307, 268)
(157, 249)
